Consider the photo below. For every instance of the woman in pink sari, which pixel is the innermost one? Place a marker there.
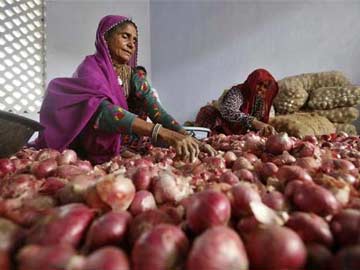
(106, 99)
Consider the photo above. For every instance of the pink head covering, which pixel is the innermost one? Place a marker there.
(70, 103)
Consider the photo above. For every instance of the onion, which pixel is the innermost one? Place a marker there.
(64, 225)
(67, 156)
(143, 201)
(44, 168)
(109, 229)
(145, 221)
(10, 235)
(278, 143)
(345, 227)
(240, 197)
(253, 143)
(275, 247)
(309, 164)
(6, 167)
(114, 191)
(229, 157)
(311, 138)
(47, 153)
(275, 200)
(229, 178)
(305, 149)
(311, 228)
(318, 257)
(107, 258)
(290, 173)
(347, 258)
(84, 165)
(142, 178)
(284, 159)
(169, 187)
(245, 175)
(69, 171)
(52, 185)
(266, 169)
(49, 257)
(242, 163)
(207, 209)
(163, 247)
(309, 197)
(217, 248)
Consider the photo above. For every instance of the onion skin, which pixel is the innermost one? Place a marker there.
(345, 227)
(284, 248)
(163, 247)
(142, 178)
(275, 200)
(207, 209)
(311, 228)
(107, 258)
(67, 156)
(109, 229)
(229, 178)
(289, 173)
(218, 248)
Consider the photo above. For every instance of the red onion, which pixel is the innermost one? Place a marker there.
(242, 163)
(47, 153)
(109, 229)
(229, 178)
(253, 143)
(142, 178)
(64, 225)
(345, 227)
(289, 173)
(305, 149)
(229, 157)
(107, 258)
(275, 200)
(284, 159)
(69, 171)
(84, 165)
(49, 257)
(143, 201)
(266, 169)
(309, 164)
(115, 191)
(163, 247)
(311, 228)
(145, 221)
(6, 167)
(311, 138)
(44, 168)
(240, 196)
(278, 143)
(318, 257)
(207, 209)
(275, 247)
(245, 175)
(347, 258)
(67, 156)
(10, 235)
(217, 248)
(52, 185)
(309, 197)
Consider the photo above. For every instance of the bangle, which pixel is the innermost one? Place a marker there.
(155, 133)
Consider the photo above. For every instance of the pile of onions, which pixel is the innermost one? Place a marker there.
(278, 143)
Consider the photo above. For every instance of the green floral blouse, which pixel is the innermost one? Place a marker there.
(142, 103)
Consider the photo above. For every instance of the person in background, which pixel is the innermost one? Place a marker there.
(143, 73)
(242, 108)
(105, 99)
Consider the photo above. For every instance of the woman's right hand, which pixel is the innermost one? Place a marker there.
(186, 147)
(263, 128)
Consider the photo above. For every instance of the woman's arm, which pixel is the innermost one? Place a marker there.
(112, 118)
(152, 106)
(229, 108)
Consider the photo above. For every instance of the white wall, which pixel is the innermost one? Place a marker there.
(201, 47)
(71, 28)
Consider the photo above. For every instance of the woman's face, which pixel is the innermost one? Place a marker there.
(122, 43)
(262, 87)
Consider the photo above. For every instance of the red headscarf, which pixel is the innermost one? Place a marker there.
(248, 89)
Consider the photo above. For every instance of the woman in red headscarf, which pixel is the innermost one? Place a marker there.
(242, 108)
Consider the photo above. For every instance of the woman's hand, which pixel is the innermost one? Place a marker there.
(264, 129)
(187, 148)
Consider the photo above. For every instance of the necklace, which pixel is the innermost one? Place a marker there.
(123, 71)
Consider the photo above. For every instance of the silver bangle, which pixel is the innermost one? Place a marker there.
(155, 133)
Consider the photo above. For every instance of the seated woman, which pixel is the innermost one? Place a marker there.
(242, 108)
(106, 99)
